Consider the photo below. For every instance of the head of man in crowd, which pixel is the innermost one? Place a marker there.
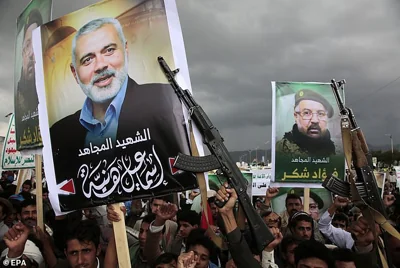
(144, 229)
(100, 60)
(258, 202)
(83, 245)
(213, 207)
(27, 213)
(45, 194)
(166, 260)
(12, 216)
(313, 254)
(288, 245)
(311, 113)
(272, 219)
(5, 208)
(340, 220)
(203, 248)
(156, 203)
(188, 220)
(293, 203)
(27, 186)
(344, 258)
(301, 225)
(28, 58)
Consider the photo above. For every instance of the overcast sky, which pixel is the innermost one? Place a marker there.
(236, 48)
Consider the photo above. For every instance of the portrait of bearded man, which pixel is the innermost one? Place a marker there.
(309, 135)
(115, 111)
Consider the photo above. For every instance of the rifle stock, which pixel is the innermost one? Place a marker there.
(213, 140)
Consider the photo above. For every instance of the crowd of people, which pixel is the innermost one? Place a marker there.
(165, 233)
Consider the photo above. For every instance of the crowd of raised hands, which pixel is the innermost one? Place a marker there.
(162, 233)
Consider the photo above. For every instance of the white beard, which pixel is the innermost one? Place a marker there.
(107, 93)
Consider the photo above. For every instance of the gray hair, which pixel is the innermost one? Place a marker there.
(93, 26)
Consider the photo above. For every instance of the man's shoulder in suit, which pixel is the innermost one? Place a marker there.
(65, 127)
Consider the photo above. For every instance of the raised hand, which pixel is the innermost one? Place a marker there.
(193, 194)
(229, 195)
(388, 200)
(112, 215)
(340, 202)
(40, 234)
(164, 213)
(271, 193)
(136, 207)
(361, 230)
(230, 264)
(15, 239)
(278, 239)
(187, 260)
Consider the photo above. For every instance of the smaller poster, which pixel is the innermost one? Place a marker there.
(320, 200)
(261, 180)
(12, 159)
(306, 136)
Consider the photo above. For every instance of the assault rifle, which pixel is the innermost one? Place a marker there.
(219, 159)
(363, 189)
(359, 158)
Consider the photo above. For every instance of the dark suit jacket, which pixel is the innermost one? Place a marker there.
(141, 169)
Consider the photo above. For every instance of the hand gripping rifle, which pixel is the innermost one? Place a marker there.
(219, 159)
(362, 189)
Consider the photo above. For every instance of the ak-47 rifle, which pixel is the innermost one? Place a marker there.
(219, 159)
(362, 189)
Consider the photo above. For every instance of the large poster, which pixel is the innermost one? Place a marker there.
(115, 124)
(306, 136)
(26, 100)
(11, 158)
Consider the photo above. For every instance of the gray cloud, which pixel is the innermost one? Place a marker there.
(236, 48)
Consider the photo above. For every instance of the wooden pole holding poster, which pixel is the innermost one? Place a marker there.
(306, 202)
(39, 198)
(121, 239)
(20, 178)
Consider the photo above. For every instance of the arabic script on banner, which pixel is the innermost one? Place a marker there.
(261, 180)
(125, 174)
(11, 158)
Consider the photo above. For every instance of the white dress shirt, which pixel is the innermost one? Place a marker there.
(338, 236)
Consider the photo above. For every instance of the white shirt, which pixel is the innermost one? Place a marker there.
(32, 252)
(268, 260)
(338, 236)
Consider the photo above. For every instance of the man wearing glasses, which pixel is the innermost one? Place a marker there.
(309, 135)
